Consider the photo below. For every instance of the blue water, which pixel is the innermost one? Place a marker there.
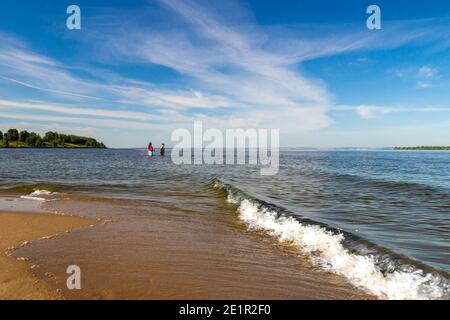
(397, 200)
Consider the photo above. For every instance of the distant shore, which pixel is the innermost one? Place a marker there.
(14, 138)
(65, 146)
(425, 148)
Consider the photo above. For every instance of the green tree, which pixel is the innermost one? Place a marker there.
(38, 143)
(50, 136)
(78, 140)
(91, 142)
(23, 135)
(50, 139)
(63, 139)
(13, 134)
(6, 140)
(31, 140)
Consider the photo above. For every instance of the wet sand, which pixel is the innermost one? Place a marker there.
(16, 281)
(155, 251)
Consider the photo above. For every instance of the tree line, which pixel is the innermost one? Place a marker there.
(14, 138)
(425, 148)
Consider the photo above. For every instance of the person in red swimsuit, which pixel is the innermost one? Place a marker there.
(150, 150)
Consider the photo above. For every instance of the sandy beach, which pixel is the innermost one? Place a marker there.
(168, 254)
(225, 150)
(16, 282)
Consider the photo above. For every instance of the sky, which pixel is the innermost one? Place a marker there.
(138, 70)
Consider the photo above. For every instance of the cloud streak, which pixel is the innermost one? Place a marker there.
(370, 111)
(230, 71)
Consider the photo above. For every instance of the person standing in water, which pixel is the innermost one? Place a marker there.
(162, 149)
(150, 150)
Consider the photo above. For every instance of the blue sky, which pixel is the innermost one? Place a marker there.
(137, 70)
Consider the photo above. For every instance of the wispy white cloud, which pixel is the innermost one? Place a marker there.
(221, 57)
(12, 105)
(21, 66)
(367, 112)
(427, 72)
(106, 123)
(427, 76)
(230, 71)
(257, 68)
(423, 76)
(370, 111)
(49, 90)
(173, 99)
(423, 85)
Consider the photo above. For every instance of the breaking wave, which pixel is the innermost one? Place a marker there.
(366, 267)
(41, 195)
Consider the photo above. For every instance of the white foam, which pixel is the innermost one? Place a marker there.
(39, 195)
(326, 250)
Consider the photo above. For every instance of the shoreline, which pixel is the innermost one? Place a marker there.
(163, 252)
(175, 254)
(17, 230)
